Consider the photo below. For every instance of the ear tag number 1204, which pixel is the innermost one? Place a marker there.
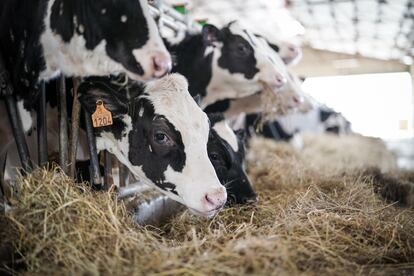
(102, 116)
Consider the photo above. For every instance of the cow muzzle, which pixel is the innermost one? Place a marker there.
(211, 202)
(161, 63)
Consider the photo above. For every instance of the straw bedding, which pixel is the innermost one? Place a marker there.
(309, 221)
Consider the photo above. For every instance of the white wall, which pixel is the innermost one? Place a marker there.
(379, 105)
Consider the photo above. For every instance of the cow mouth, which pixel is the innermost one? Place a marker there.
(206, 214)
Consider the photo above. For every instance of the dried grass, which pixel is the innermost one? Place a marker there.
(306, 222)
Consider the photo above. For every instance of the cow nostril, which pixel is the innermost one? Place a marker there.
(162, 65)
(209, 200)
(280, 81)
(292, 48)
(296, 100)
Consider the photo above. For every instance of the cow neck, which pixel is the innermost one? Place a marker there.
(193, 63)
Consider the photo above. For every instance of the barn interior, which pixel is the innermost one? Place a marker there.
(328, 202)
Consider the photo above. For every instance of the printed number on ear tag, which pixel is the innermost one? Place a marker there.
(102, 116)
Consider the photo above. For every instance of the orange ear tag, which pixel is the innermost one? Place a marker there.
(102, 116)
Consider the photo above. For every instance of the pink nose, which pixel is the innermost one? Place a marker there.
(216, 199)
(162, 64)
(293, 49)
(279, 81)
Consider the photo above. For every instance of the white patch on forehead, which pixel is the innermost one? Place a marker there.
(227, 134)
(170, 98)
(124, 18)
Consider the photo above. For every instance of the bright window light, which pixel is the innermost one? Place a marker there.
(379, 105)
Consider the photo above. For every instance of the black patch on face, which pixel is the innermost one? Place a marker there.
(146, 152)
(228, 165)
(191, 62)
(275, 47)
(101, 20)
(325, 114)
(237, 55)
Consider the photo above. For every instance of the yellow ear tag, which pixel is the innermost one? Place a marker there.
(102, 116)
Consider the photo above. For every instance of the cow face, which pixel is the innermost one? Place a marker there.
(84, 37)
(161, 136)
(291, 98)
(226, 152)
(240, 63)
(290, 52)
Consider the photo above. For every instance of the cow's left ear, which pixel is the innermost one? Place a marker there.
(211, 34)
(90, 93)
(241, 134)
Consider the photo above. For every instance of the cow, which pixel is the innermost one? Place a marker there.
(290, 52)
(40, 39)
(226, 151)
(320, 119)
(160, 133)
(230, 62)
(289, 99)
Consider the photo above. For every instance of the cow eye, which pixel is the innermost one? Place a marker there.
(214, 156)
(243, 49)
(162, 138)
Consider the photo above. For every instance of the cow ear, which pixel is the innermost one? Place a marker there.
(211, 34)
(89, 93)
(241, 134)
(197, 99)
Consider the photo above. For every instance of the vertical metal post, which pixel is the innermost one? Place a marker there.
(107, 169)
(93, 153)
(42, 127)
(123, 175)
(18, 133)
(7, 91)
(74, 134)
(63, 125)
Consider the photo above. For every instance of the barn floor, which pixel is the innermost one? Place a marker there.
(318, 214)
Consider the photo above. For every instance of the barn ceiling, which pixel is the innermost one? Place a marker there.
(381, 29)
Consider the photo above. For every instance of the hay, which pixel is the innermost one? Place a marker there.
(306, 222)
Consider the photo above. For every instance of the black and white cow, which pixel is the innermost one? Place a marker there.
(289, 99)
(161, 135)
(226, 151)
(39, 39)
(290, 52)
(319, 119)
(225, 63)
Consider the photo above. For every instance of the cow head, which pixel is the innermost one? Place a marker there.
(84, 37)
(240, 62)
(227, 154)
(161, 135)
(290, 52)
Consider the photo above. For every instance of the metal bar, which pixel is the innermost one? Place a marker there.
(132, 190)
(42, 126)
(123, 175)
(95, 174)
(18, 133)
(107, 169)
(74, 129)
(7, 91)
(63, 126)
